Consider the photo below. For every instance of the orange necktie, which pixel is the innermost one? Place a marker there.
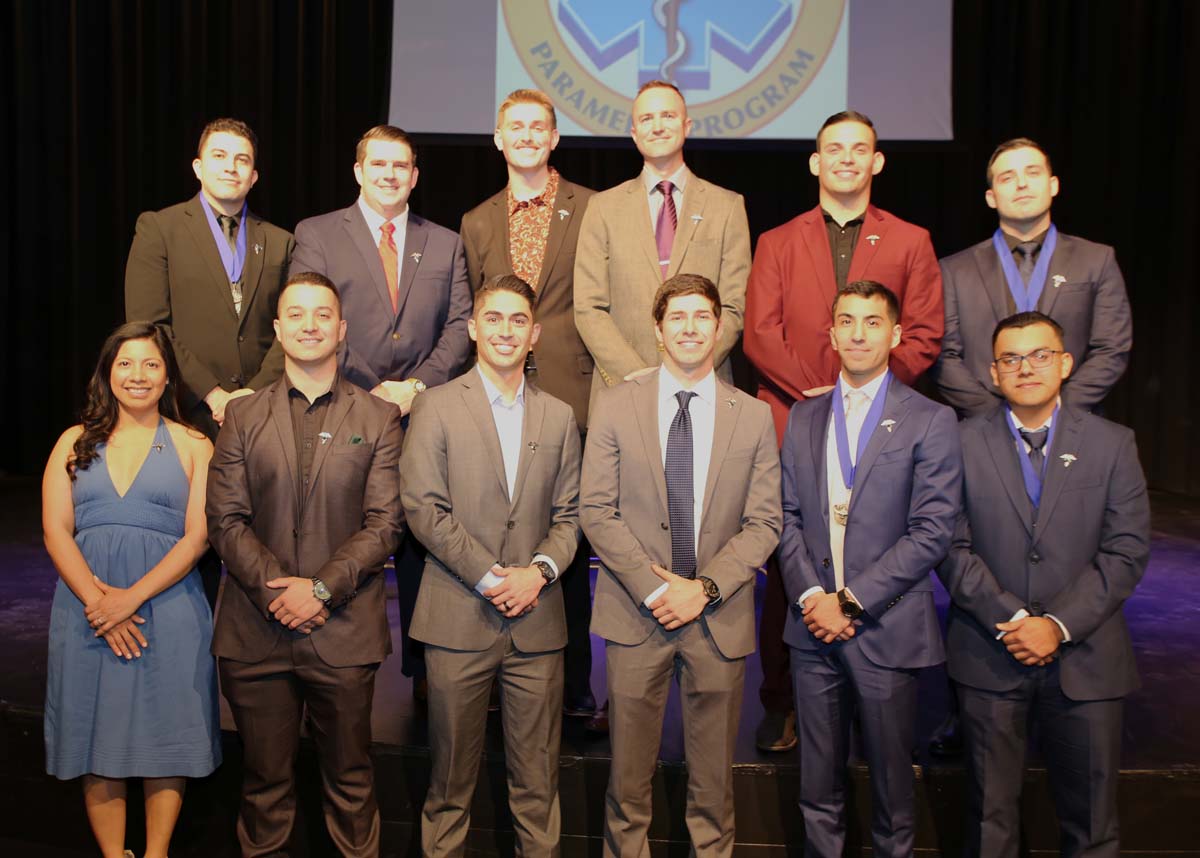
(391, 263)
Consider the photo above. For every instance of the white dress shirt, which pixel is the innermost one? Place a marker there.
(375, 222)
(678, 179)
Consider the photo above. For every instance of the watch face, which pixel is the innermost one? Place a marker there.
(321, 591)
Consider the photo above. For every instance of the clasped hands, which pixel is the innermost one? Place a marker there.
(681, 602)
(517, 594)
(1033, 641)
(113, 617)
(824, 619)
(296, 607)
(401, 393)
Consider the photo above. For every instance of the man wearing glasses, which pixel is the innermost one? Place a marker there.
(1053, 537)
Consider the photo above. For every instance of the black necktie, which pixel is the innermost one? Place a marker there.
(1026, 250)
(680, 491)
(1036, 441)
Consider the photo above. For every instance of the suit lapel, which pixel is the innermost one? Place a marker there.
(819, 438)
(415, 235)
(991, 276)
(874, 226)
(638, 214)
(360, 234)
(1066, 440)
(206, 245)
(559, 224)
(816, 240)
(281, 416)
(694, 197)
(498, 214)
(895, 408)
(475, 400)
(531, 433)
(253, 269)
(1060, 264)
(728, 409)
(1003, 450)
(339, 407)
(645, 411)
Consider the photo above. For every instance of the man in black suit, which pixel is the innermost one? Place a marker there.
(1053, 537)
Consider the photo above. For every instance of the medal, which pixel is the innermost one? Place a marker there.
(841, 513)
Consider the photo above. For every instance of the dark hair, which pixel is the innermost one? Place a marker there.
(870, 289)
(505, 283)
(309, 278)
(229, 126)
(100, 412)
(1016, 143)
(1027, 320)
(660, 84)
(847, 116)
(384, 132)
(685, 284)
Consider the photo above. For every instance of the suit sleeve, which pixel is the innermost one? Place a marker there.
(791, 367)
(563, 537)
(599, 505)
(364, 553)
(453, 345)
(922, 316)
(148, 298)
(738, 561)
(425, 494)
(1101, 588)
(795, 563)
(271, 367)
(613, 354)
(735, 269)
(932, 511)
(972, 585)
(1109, 341)
(955, 382)
(230, 513)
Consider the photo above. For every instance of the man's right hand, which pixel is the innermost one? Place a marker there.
(824, 618)
(400, 393)
(216, 400)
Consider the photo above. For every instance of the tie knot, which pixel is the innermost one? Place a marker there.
(1036, 439)
(228, 223)
(665, 188)
(387, 229)
(854, 400)
(1028, 248)
(684, 397)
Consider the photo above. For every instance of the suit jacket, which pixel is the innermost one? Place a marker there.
(264, 525)
(427, 338)
(617, 271)
(174, 277)
(1090, 304)
(564, 365)
(456, 496)
(789, 302)
(1078, 556)
(623, 508)
(907, 489)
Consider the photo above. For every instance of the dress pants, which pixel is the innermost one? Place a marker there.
(269, 698)
(577, 603)
(710, 685)
(830, 686)
(1081, 741)
(531, 688)
(775, 692)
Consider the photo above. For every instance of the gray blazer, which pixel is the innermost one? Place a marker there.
(623, 509)
(1078, 560)
(453, 485)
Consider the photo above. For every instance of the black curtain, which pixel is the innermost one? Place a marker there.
(104, 103)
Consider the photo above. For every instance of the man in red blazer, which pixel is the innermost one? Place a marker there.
(798, 268)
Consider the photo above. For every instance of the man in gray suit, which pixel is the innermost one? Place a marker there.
(490, 478)
(1053, 537)
(680, 498)
(1028, 265)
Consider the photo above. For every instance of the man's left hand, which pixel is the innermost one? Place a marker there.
(683, 601)
(296, 605)
(1032, 640)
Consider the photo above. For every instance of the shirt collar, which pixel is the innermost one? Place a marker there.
(1012, 241)
(854, 220)
(679, 179)
(295, 391)
(375, 220)
(549, 193)
(871, 388)
(1016, 421)
(495, 396)
(705, 389)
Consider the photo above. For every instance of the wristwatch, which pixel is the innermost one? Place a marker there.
(321, 592)
(850, 608)
(711, 591)
(547, 571)
(418, 385)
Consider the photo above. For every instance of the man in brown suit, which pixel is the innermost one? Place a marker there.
(304, 508)
(491, 487)
(530, 229)
(681, 471)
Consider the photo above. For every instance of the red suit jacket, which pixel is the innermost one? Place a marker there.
(790, 295)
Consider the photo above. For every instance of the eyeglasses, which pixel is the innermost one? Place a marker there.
(1039, 359)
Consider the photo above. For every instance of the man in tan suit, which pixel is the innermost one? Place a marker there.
(661, 223)
(304, 508)
(680, 497)
(490, 481)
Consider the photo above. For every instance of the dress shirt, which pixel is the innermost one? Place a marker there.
(703, 411)
(509, 418)
(375, 222)
(650, 180)
(529, 230)
(308, 419)
(843, 238)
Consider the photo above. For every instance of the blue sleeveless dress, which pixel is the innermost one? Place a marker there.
(154, 716)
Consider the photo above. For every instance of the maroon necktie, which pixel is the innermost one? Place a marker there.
(664, 230)
(391, 263)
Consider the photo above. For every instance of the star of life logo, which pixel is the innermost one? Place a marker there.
(740, 63)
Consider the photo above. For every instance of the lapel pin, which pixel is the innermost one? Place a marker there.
(416, 257)
(873, 238)
(697, 218)
(158, 448)
(731, 402)
(532, 446)
(325, 437)
(1067, 459)
(1058, 280)
(257, 248)
(888, 425)
(563, 214)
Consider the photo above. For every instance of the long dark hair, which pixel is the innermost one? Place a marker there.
(99, 415)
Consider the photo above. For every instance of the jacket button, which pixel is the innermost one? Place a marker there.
(241, 339)
(663, 525)
(1035, 557)
(825, 562)
(510, 525)
(395, 336)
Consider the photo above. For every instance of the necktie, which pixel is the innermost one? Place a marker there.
(681, 497)
(1026, 250)
(1036, 441)
(664, 230)
(856, 402)
(391, 263)
(229, 226)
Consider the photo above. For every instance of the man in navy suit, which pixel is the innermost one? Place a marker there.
(871, 486)
(405, 299)
(1053, 537)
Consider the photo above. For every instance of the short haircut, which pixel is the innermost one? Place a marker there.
(681, 285)
(1027, 320)
(229, 126)
(847, 116)
(505, 283)
(660, 84)
(870, 289)
(526, 96)
(383, 132)
(309, 278)
(1016, 143)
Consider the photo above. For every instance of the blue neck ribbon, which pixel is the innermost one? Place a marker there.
(870, 424)
(233, 260)
(1033, 479)
(1026, 299)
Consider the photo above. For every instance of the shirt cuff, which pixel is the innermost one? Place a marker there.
(809, 592)
(1019, 615)
(658, 591)
(545, 558)
(489, 580)
(1062, 628)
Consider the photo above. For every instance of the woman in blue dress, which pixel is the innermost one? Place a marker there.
(131, 688)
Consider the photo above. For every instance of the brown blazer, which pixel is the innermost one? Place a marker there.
(341, 531)
(623, 509)
(175, 279)
(455, 495)
(564, 365)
